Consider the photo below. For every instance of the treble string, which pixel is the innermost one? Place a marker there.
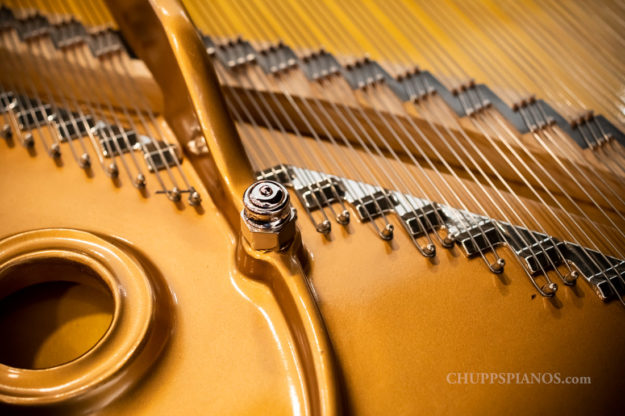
(575, 53)
(565, 228)
(387, 231)
(480, 57)
(451, 134)
(117, 65)
(427, 250)
(339, 130)
(522, 161)
(594, 45)
(112, 169)
(610, 19)
(544, 41)
(496, 266)
(81, 116)
(379, 136)
(574, 179)
(15, 60)
(530, 68)
(567, 142)
(456, 155)
(84, 160)
(579, 67)
(318, 196)
(57, 127)
(384, 233)
(139, 179)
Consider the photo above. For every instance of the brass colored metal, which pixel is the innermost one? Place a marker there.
(196, 111)
(270, 250)
(166, 40)
(283, 271)
(398, 325)
(141, 325)
(230, 351)
(405, 332)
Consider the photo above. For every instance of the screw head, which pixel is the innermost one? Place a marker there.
(267, 219)
(266, 201)
(266, 195)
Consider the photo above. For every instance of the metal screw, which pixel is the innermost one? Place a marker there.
(266, 190)
(267, 219)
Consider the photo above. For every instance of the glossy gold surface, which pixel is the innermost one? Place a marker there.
(248, 330)
(396, 334)
(194, 107)
(283, 271)
(232, 339)
(140, 326)
(198, 82)
(480, 36)
(55, 322)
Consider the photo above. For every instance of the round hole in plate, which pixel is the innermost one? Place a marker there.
(52, 311)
